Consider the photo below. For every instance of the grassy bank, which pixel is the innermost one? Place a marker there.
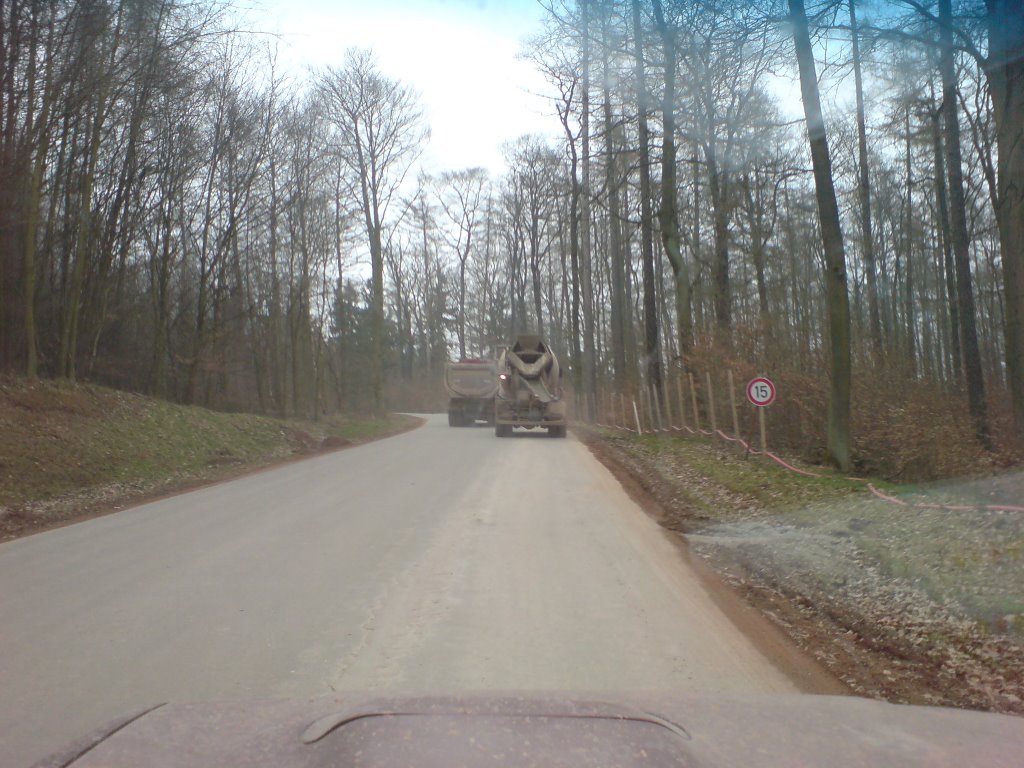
(69, 450)
(904, 602)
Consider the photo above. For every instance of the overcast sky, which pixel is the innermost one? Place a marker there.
(459, 54)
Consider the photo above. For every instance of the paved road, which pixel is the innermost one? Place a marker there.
(442, 558)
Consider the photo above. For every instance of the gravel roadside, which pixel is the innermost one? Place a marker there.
(901, 603)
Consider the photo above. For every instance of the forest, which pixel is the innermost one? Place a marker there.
(829, 193)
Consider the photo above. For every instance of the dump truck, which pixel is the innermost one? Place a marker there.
(529, 389)
(471, 385)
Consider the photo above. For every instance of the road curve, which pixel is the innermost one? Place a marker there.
(438, 559)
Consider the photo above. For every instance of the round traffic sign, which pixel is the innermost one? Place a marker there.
(761, 391)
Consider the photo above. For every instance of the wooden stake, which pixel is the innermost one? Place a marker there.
(693, 398)
(656, 401)
(668, 402)
(644, 416)
(711, 403)
(732, 400)
(651, 423)
(682, 399)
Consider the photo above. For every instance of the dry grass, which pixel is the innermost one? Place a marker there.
(69, 449)
(903, 428)
(908, 603)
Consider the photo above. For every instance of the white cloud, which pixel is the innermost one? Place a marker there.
(460, 55)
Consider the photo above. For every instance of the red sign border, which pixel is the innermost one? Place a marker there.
(767, 381)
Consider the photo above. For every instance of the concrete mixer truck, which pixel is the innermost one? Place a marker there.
(529, 389)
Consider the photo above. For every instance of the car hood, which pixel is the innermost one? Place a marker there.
(582, 731)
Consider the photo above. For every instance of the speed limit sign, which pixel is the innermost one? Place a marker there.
(761, 392)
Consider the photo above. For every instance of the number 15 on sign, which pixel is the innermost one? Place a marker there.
(761, 392)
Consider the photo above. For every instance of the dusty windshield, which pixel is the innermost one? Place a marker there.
(459, 345)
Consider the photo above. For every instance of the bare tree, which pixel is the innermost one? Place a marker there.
(725, 52)
(622, 339)
(832, 240)
(958, 222)
(461, 194)
(669, 211)
(864, 190)
(651, 331)
(529, 201)
(1004, 23)
(587, 260)
(1005, 68)
(380, 134)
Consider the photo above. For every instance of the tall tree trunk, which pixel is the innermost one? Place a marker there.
(717, 188)
(371, 217)
(461, 330)
(946, 238)
(759, 236)
(669, 212)
(651, 345)
(837, 297)
(536, 282)
(339, 260)
(864, 190)
(908, 239)
(574, 253)
(33, 201)
(622, 339)
(12, 173)
(160, 279)
(278, 379)
(620, 316)
(377, 315)
(70, 321)
(39, 133)
(1006, 84)
(629, 317)
(587, 256)
(958, 223)
(697, 291)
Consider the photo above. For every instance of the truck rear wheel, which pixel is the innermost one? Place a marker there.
(556, 431)
(502, 430)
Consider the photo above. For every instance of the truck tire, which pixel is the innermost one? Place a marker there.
(502, 430)
(453, 419)
(556, 431)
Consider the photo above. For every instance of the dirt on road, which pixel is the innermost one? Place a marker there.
(905, 604)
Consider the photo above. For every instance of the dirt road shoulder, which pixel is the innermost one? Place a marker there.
(69, 452)
(919, 606)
